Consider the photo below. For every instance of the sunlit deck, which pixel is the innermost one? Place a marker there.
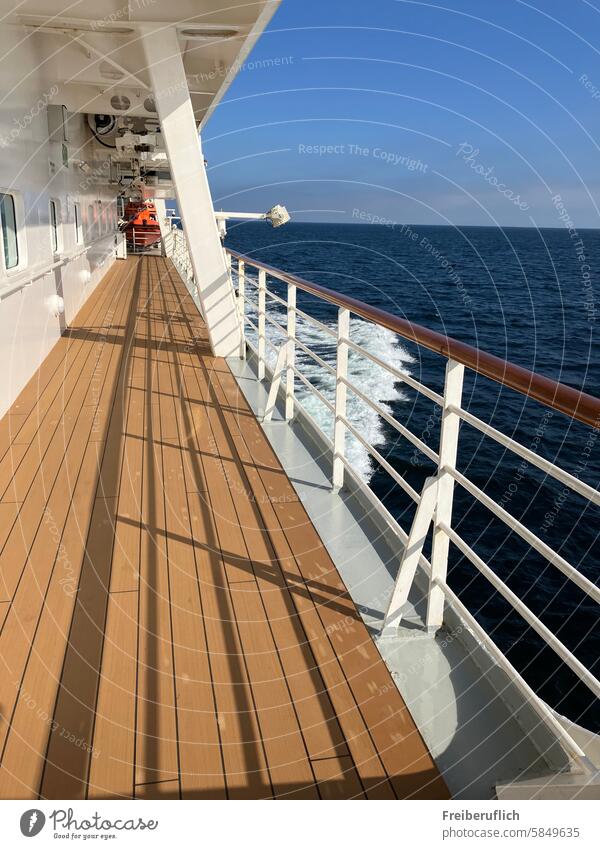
(172, 625)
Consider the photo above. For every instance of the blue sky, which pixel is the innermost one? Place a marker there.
(457, 112)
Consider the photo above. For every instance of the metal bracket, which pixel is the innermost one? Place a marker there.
(411, 556)
(275, 383)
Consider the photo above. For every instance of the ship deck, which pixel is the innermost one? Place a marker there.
(171, 623)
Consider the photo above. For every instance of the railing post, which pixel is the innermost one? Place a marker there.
(341, 374)
(242, 305)
(445, 492)
(291, 352)
(262, 286)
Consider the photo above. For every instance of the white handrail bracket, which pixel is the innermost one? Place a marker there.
(411, 557)
(275, 384)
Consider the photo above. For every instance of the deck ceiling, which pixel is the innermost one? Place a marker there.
(94, 52)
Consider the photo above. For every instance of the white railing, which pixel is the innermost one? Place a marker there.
(137, 239)
(434, 503)
(178, 251)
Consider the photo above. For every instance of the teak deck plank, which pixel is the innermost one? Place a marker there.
(111, 767)
(165, 602)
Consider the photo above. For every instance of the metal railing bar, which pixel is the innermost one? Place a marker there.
(322, 435)
(300, 344)
(267, 340)
(383, 462)
(300, 313)
(528, 615)
(276, 298)
(542, 710)
(270, 345)
(551, 469)
(316, 323)
(566, 399)
(315, 357)
(402, 376)
(251, 323)
(534, 541)
(314, 390)
(537, 704)
(406, 433)
(276, 324)
(28, 276)
(383, 512)
(268, 292)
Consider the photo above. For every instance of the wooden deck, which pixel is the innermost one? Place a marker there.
(171, 624)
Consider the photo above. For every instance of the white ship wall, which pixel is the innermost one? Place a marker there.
(29, 322)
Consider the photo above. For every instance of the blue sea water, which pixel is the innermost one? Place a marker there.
(527, 296)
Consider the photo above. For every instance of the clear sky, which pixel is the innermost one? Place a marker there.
(462, 112)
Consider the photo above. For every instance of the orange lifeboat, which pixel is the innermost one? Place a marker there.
(141, 225)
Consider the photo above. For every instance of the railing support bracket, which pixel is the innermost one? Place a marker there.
(410, 558)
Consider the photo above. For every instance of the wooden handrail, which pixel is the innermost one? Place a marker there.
(572, 402)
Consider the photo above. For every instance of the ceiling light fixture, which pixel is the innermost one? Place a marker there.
(208, 33)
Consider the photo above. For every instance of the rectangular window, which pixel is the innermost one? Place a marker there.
(8, 221)
(78, 225)
(54, 226)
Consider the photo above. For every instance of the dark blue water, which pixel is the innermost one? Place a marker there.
(525, 296)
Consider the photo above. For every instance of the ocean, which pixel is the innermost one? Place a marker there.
(524, 295)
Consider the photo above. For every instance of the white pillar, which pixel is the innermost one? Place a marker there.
(178, 124)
